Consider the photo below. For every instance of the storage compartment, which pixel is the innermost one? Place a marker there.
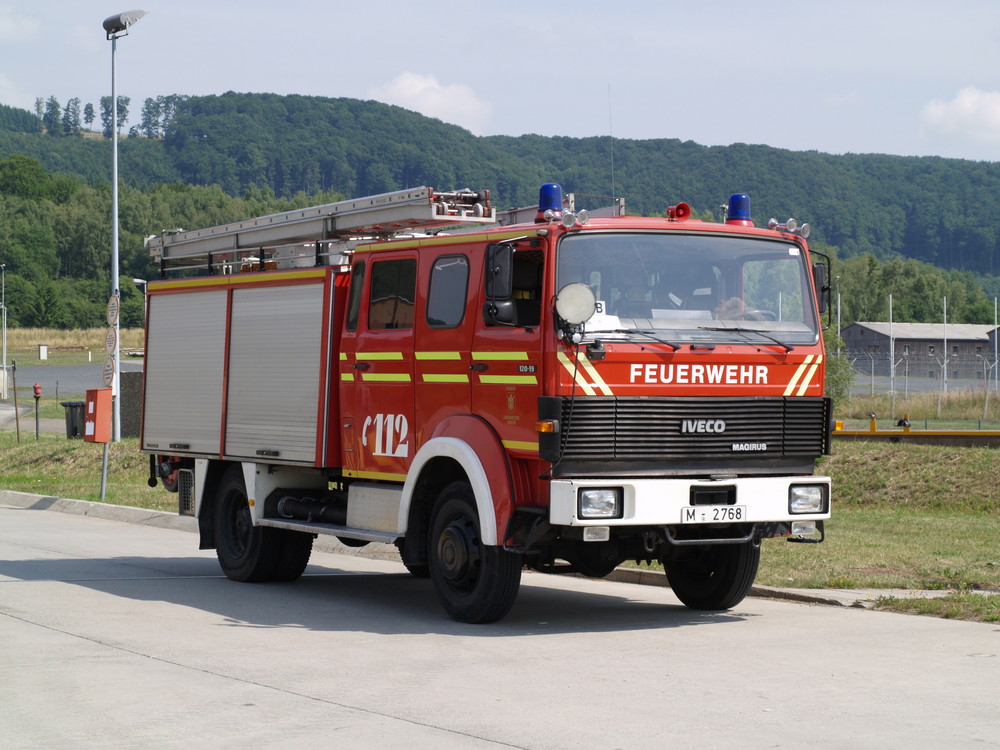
(275, 388)
(271, 336)
(185, 357)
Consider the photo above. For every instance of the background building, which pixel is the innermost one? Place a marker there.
(922, 349)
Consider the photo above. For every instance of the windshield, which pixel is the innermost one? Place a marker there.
(688, 288)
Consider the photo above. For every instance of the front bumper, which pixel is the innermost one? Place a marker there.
(660, 502)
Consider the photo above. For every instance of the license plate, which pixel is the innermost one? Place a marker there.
(714, 514)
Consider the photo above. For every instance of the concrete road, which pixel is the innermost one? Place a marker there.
(116, 635)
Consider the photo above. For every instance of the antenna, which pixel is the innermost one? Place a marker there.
(611, 134)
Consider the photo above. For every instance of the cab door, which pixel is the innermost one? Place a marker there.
(376, 367)
(507, 358)
(443, 358)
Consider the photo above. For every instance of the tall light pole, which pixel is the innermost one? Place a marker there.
(3, 311)
(116, 26)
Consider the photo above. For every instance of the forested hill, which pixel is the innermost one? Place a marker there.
(932, 209)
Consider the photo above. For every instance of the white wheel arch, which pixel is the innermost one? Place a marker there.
(463, 454)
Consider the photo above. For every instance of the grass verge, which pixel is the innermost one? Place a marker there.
(72, 468)
(960, 605)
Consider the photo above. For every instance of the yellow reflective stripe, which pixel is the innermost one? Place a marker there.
(437, 355)
(809, 376)
(594, 375)
(379, 355)
(347, 377)
(386, 377)
(385, 475)
(451, 239)
(444, 378)
(316, 274)
(798, 374)
(575, 372)
(343, 356)
(520, 445)
(500, 356)
(509, 379)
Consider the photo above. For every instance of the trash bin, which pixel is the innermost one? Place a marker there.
(74, 418)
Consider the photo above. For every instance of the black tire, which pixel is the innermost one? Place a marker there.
(293, 557)
(253, 554)
(416, 569)
(475, 583)
(714, 577)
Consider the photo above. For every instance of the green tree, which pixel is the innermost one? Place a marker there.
(839, 379)
(24, 178)
(52, 117)
(107, 114)
(48, 309)
(71, 118)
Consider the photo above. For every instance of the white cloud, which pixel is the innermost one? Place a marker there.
(972, 114)
(454, 103)
(15, 27)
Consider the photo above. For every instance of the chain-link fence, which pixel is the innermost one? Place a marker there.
(959, 392)
(874, 373)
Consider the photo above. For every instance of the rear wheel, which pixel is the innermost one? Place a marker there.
(296, 548)
(714, 577)
(475, 582)
(252, 553)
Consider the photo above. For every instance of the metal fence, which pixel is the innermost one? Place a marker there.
(876, 374)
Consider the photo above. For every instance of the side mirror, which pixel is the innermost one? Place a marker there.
(499, 271)
(499, 311)
(821, 285)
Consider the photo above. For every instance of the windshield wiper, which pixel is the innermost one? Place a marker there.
(647, 334)
(739, 329)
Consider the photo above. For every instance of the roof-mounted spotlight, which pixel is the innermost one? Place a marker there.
(790, 226)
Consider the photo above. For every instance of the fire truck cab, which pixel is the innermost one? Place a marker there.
(562, 394)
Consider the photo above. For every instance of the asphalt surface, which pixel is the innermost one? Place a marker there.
(62, 382)
(123, 635)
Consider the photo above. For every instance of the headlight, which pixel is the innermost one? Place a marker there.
(600, 502)
(807, 498)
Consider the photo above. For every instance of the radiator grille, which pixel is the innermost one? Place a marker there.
(650, 428)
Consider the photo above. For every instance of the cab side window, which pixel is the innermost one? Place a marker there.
(393, 290)
(354, 300)
(449, 284)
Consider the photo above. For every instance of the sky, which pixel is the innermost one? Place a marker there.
(869, 76)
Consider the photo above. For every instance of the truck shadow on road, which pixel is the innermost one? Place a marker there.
(341, 600)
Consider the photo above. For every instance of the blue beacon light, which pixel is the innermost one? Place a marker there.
(739, 210)
(550, 198)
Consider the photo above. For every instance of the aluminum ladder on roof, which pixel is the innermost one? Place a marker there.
(376, 216)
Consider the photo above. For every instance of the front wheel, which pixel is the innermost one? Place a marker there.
(475, 582)
(714, 577)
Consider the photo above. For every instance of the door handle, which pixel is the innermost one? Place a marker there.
(362, 365)
(479, 366)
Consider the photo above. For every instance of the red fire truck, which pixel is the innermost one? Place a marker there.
(562, 394)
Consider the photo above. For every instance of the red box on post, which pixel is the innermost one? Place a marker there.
(97, 416)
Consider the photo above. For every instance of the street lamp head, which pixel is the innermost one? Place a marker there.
(118, 23)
